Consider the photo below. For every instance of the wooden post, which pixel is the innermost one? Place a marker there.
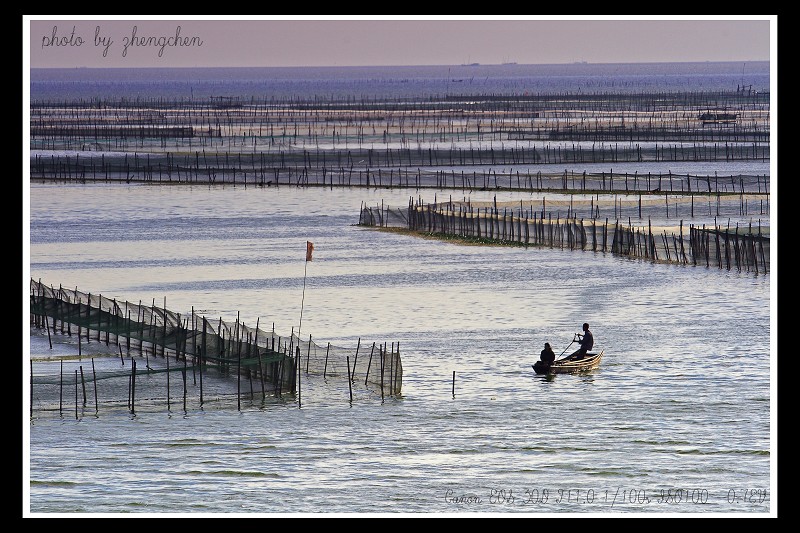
(31, 393)
(183, 371)
(454, 383)
(69, 317)
(133, 385)
(258, 352)
(83, 385)
(369, 362)
(47, 327)
(279, 370)
(88, 317)
(60, 385)
(99, 316)
(194, 351)
(239, 375)
(260, 375)
(164, 337)
(308, 353)
(167, 361)
(151, 329)
(391, 371)
(396, 368)
(79, 328)
(325, 369)
(349, 381)
(356, 358)
(382, 352)
(94, 380)
(297, 366)
(202, 359)
(57, 311)
(115, 325)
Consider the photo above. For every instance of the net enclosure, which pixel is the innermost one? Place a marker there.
(222, 360)
(672, 229)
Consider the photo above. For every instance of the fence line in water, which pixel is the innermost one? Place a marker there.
(724, 247)
(214, 351)
(125, 124)
(262, 170)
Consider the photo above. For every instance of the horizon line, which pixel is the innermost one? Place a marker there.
(577, 63)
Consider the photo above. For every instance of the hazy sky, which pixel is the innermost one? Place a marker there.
(356, 41)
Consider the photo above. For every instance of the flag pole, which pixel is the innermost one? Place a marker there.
(302, 300)
(309, 251)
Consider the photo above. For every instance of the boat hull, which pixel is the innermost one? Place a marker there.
(570, 365)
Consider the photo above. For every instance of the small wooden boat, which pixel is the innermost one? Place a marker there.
(570, 365)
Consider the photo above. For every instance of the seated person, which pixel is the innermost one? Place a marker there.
(547, 356)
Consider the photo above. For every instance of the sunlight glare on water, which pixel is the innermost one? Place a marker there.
(674, 405)
(675, 420)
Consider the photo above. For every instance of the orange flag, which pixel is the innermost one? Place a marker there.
(309, 250)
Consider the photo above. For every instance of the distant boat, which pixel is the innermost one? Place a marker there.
(715, 117)
(509, 63)
(470, 64)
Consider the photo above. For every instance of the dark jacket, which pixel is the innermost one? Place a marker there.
(548, 356)
(587, 341)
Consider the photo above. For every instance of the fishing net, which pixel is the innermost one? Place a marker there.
(192, 347)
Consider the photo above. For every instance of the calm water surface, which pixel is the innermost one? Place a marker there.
(676, 419)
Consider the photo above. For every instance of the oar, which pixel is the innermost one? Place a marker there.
(568, 345)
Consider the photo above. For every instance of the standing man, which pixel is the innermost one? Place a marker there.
(586, 340)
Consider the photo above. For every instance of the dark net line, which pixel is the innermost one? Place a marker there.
(197, 343)
(743, 247)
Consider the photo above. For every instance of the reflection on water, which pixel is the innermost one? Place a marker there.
(671, 407)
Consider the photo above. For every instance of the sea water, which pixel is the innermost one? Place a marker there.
(675, 420)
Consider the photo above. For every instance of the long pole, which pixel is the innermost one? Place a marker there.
(568, 345)
(309, 251)
(303, 299)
